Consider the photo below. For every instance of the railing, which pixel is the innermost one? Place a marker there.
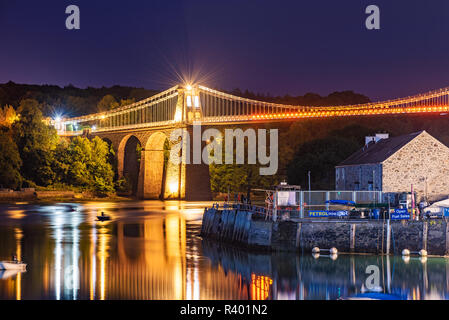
(221, 107)
(158, 110)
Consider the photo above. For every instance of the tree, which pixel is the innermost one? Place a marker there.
(36, 143)
(107, 103)
(10, 163)
(237, 177)
(320, 157)
(85, 163)
(8, 116)
(126, 102)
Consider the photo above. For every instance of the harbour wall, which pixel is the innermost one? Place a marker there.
(249, 229)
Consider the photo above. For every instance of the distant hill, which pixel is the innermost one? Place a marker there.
(338, 98)
(69, 100)
(72, 101)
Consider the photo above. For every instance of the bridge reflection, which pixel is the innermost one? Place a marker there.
(144, 257)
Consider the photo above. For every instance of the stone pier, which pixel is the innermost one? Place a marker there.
(250, 229)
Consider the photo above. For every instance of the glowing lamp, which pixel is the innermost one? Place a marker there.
(173, 187)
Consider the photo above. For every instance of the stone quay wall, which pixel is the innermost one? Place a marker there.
(252, 230)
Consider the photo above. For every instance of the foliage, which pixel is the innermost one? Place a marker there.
(8, 116)
(70, 101)
(36, 142)
(126, 102)
(10, 163)
(107, 103)
(84, 163)
(320, 157)
(309, 99)
(123, 185)
(237, 177)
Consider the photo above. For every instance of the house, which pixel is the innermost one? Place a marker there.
(395, 164)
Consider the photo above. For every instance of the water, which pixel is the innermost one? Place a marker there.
(152, 250)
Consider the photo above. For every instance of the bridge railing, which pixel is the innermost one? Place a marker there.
(158, 110)
(222, 107)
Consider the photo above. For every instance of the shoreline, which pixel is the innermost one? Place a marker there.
(57, 196)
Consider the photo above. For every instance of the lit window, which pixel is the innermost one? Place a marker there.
(189, 101)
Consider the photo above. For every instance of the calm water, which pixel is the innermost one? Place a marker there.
(152, 250)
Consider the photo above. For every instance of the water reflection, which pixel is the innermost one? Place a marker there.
(324, 277)
(151, 250)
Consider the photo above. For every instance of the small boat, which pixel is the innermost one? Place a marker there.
(6, 274)
(103, 217)
(13, 265)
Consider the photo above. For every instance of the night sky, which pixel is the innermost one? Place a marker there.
(265, 46)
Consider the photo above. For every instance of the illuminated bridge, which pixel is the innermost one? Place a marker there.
(148, 124)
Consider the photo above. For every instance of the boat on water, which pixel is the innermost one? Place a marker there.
(13, 265)
(103, 217)
(6, 274)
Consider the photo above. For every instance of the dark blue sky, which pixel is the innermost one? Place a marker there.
(265, 45)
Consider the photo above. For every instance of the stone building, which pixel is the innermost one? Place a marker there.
(395, 164)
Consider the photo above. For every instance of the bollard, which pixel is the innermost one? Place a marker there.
(332, 250)
(407, 252)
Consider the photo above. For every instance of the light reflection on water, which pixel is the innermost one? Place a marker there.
(152, 250)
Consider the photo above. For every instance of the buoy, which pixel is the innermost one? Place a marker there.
(333, 250)
(406, 259)
(316, 250)
(406, 252)
(423, 253)
(423, 259)
(333, 256)
(315, 255)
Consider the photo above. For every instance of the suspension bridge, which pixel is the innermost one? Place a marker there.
(148, 124)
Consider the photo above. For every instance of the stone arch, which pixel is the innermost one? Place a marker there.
(155, 166)
(129, 160)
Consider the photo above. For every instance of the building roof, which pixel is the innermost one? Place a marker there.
(380, 151)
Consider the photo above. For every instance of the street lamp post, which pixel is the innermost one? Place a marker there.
(310, 189)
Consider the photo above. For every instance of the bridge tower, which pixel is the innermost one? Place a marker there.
(159, 178)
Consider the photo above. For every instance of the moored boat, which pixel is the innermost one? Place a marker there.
(6, 274)
(13, 265)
